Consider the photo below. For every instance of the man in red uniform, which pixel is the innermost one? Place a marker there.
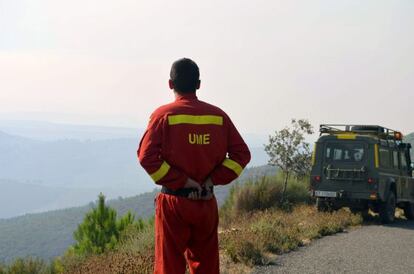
(188, 147)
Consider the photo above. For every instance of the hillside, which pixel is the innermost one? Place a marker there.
(70, 163)
(31, 198)
(46, 175)
(49, 234)
(57, 166)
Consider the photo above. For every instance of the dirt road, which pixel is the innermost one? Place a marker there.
(370, 249)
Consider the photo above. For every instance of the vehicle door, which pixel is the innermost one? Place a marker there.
(345, 165)
(401, 180)
(407, 173)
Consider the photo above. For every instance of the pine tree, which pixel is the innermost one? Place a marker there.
(100, 230)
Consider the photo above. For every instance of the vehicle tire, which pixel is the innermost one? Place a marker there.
(409, 211)
(322, 206)
(387, 209)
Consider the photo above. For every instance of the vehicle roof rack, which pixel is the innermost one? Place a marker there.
(373, 130)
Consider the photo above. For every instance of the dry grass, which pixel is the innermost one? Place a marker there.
(28, 265)
(253, 229)
(245, 243)
(115, 262)
(252, 236)
(227, 266)
(263, 194)
(134, 254)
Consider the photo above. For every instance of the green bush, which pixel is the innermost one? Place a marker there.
(286, 237)
(100, 230)
(138, 240)
(244, 252)
(133, 254)
(100, 240)
(262, 194)
(27, 266)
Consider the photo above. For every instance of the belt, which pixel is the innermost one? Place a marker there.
(183, 192)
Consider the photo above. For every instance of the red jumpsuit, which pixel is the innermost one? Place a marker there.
(189, 139)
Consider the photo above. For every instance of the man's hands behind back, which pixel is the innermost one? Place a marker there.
(204, 192)
(208, 187)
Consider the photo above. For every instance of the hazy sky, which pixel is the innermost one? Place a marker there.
(107, 62)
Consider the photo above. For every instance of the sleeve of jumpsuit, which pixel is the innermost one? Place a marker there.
(150, 157)
(238, 156)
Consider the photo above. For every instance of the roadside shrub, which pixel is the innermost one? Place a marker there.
(244, 252)
(258, 195)
(31, 266)
(286, 237)
(56, 267)
(261, 194)
(27, 266)
(113, 262)
(138, 241)
(278, 231)
(133, 254)
(298, 192)
(101, 242)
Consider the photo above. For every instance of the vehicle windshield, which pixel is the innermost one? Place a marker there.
(344, 152)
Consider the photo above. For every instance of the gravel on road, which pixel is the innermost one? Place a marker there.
(369, 249)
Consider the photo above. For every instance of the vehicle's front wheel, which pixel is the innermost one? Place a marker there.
(387, 209)
(409, 211)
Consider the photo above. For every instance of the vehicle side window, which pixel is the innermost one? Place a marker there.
(395, 158)
(385, 159)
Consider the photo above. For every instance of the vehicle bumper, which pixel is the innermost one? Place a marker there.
(344, 195)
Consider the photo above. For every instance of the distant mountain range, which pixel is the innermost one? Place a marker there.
(46, 166)
(49, 234)
(70, 163)
(43, 175)
(47, 131)
(20, 198)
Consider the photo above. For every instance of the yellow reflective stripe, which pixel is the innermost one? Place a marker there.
(314, 155)
(161, 172)
(346, 136)
(376, 155)
(233, 166)
(195, 119)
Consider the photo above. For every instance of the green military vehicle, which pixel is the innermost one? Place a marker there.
(363, 167)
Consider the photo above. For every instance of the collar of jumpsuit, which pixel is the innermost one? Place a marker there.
(190, 96)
